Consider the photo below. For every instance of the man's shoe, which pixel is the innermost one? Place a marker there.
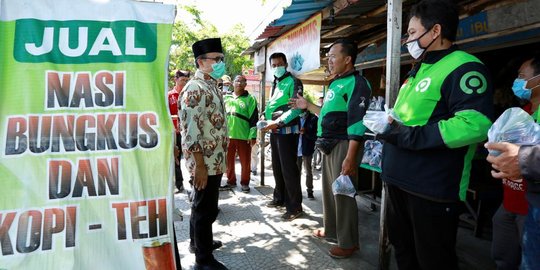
(291, 216)
(212, 265)
(215, 245)
(227, 187)
(245, 188)
(340, 253)
(254, 172)
(180, 189)
(275, 204)
(310, 196)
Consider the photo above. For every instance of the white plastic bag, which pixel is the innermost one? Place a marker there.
(344, 186)
(514, 126)
(376, 121)
(376, 104)
(372, 153)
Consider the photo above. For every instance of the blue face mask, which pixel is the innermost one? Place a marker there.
(279, 71)
(520, 90)
(219, 70)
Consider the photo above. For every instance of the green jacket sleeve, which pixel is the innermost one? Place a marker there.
(469, 112)
(291, 114)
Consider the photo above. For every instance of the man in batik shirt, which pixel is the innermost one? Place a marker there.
(204, 134)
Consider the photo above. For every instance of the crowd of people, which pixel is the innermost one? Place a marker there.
(443, 112)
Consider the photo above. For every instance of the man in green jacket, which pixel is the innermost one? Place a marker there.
(242, 114)
(283, 123)
(444, 109)
(340, 131)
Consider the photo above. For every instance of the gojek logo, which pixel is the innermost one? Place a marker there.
(423, 85)
(329, 95)
(76, 42)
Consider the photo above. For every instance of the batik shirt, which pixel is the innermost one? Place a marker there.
(203, 124)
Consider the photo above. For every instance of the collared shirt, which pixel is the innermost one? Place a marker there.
(203, 124)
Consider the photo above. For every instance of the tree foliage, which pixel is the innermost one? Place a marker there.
(187, 31)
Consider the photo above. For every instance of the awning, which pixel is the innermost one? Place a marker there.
(282, 17)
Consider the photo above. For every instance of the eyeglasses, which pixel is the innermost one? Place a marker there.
(218, 59)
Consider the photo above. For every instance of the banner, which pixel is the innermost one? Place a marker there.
(86, 139)
(301, 45)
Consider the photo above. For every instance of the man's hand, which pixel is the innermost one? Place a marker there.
(348, 167)
(201, 177)
(506, 164)
(298, 103)
(271, 125)
(391, 135)
(201, 172)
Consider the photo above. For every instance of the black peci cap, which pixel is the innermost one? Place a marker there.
(207, 46)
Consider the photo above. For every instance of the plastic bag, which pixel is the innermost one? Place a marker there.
(376, 104)
(344, 186)
(514, 126)
(261, 124)
(376, 154)
(372, 153)
(376, 121)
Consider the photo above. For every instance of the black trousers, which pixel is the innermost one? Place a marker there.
(204, 210)
(423, 232)
(286, 173)
(177, 167)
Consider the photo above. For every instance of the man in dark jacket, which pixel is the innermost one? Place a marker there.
(445, 109)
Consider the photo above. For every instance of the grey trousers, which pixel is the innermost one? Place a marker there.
(507, 234)
(340, 212)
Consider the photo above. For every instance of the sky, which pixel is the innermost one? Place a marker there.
(226, 13)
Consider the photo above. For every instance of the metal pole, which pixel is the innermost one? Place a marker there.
(393, 55)
(262, 95)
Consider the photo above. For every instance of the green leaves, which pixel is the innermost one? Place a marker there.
(188, 31)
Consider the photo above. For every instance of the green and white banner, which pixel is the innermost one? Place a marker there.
(86, 141)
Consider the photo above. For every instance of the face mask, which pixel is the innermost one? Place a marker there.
(279, 71)
(414, 48)
(219, 70)
(520, 90)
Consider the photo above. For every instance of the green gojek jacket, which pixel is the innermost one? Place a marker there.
(344, 107)
(278, 108)
(446, 107)
(242, 116)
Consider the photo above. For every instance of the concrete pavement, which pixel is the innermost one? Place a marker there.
(254, 236)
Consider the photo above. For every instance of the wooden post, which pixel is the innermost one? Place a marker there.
(393, 57)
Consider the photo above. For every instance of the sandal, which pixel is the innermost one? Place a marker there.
(319, 233)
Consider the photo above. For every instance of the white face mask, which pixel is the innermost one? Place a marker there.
(414, 49)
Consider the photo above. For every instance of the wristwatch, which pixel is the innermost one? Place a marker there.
(280, 124)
